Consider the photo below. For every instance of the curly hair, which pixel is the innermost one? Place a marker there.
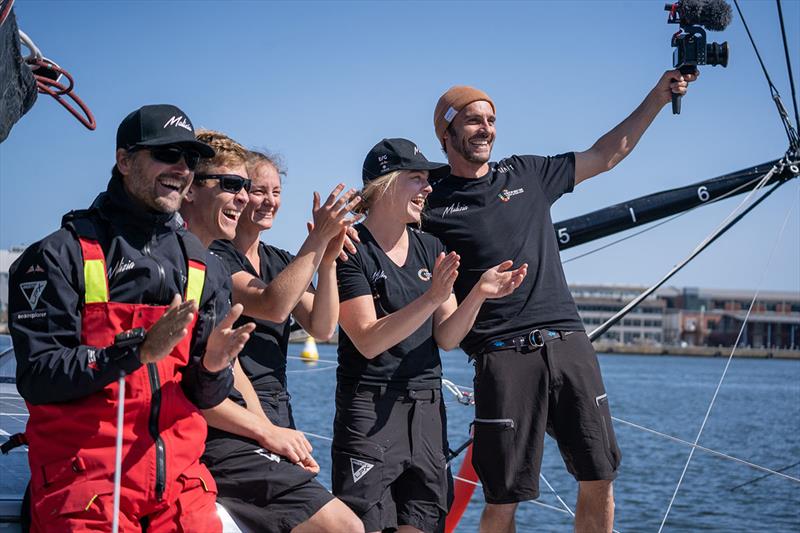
(228, 152)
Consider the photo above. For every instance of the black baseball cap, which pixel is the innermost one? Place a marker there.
(399, 154)
(159, 125)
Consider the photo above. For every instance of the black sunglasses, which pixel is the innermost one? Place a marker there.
(171, 154)
(227, 182)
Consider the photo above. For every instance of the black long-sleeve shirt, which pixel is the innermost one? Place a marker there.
(46, 292)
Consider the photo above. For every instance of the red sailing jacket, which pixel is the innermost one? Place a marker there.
(163, 433)
(109, 269)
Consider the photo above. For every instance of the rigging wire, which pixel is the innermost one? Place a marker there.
(759, 478)
(727, 365)
(788, 63)
(776, 97)
(732, 192)
(755, 466)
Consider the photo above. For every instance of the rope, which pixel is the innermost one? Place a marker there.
(464, 397)
(48, 81)
(725, 370)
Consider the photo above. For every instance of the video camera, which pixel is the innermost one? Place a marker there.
(691, 47)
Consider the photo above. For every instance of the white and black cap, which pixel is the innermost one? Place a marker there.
(399, 154)
(159, 125)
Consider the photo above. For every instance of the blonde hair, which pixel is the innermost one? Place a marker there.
(374, 190)
(228, 152)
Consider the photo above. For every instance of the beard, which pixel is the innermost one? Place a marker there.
(466, 151)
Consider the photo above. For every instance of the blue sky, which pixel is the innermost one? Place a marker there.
(321, 82)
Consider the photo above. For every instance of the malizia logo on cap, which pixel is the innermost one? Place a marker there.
(178, 122)
(450, 115)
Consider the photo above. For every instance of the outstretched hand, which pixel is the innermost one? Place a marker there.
(499, 281)
(168, 331)
(225, 343)
(331, 217)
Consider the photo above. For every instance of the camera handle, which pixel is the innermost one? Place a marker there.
(676, 98)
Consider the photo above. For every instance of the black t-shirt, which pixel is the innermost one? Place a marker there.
(413, 363)
(506, 215)
(263, 358)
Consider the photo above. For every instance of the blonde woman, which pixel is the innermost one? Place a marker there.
(397, 309)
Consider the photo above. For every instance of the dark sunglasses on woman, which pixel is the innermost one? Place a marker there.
(227, 182)
(171, 154)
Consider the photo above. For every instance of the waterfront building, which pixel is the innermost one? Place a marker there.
(713, 317)
(598, 303)
(692, 316)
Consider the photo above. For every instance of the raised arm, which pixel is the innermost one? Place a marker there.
(615, 145)
(276, 300)
(452, 322)
(318, 309)
(373, 336)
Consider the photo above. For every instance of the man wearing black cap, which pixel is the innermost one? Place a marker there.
(122, 289)
(535, 369)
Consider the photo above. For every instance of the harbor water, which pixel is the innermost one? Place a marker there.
(756, 417)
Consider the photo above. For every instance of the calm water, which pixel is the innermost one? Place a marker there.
(756, 417)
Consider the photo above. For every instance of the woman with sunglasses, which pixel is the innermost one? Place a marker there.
(266, 477)
(397, 309)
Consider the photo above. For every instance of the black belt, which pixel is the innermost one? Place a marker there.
(401, 393)
(532, 341)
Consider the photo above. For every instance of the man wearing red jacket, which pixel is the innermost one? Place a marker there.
(123, 289)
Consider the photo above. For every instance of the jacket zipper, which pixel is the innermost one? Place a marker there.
(155, 407)
(155, 387)
(162, 277)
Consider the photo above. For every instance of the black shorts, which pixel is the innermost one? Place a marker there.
(520, 395)
(263, 491)
(389, 449)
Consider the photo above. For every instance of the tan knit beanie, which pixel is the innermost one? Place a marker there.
(454, 100)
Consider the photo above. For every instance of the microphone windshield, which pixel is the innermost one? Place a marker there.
(714, 15)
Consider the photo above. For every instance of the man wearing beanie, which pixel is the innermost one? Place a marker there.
(122, 290)
(535, 369)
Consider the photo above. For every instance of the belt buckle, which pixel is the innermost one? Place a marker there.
(535, 339)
